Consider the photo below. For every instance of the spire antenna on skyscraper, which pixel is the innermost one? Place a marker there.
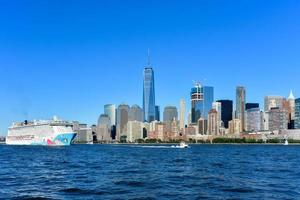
(291, 96)
(149, 60)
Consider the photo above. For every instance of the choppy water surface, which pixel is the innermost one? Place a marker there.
(139, 172)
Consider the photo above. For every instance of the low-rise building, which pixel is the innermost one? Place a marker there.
(235, 126)
(84, 135)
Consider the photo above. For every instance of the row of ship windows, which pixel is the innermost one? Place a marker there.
(22, 137)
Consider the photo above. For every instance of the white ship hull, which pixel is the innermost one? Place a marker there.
(41, 134)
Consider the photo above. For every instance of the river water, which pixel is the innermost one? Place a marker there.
(150, 172)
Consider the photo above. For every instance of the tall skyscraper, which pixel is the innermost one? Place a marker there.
(136, 114)
(202, 126)
(297, 113)
(227, 111)
(241, 105)
(104, 128)
(218, 107)
(149, 95)
(264, 121)
(189, 117)
(273, 102)
(253, 122)
(170, 113)
(202, 98)
(278, 119)
(110, 110)
(213, 122)
(122, 119)
(104, 119)
(157, 113)
(182, 115)
(291, 101)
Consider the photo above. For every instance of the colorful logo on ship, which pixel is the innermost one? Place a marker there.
(60, 140)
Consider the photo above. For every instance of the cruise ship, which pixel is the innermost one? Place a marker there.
(43, 132)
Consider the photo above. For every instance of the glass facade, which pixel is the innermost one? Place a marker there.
(149, 95)
(201, 99)
(122, 119)
(227, 110)
(253, 119)
(157, 113)
(104, 120)
(170, 113)
(110, 110)
(252, 105)
(297, 114)
(136, 114)
(103, 132)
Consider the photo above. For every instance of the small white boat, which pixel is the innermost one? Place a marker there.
(286, 142)
(182, 145)
(91, 142)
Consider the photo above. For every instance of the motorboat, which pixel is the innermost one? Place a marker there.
(182, 145)
(90, 142)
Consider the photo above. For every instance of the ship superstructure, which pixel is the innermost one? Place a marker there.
(41, 132)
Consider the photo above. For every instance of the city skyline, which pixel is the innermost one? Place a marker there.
(177, 105)
(72, 64)
(187, 109)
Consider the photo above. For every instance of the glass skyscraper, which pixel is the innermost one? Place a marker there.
(297, 113)
(136, 114)
(226, 111)
(252, 105)
(157, 113)
(122, 119)
(110, 110)
(241, 105)
(253, 119)
(149, 95)
(201, 99)
(170, 113)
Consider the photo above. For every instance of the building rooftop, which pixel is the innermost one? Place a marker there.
(291, 96)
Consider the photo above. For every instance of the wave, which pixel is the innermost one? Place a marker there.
(79, 191)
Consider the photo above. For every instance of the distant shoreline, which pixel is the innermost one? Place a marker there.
(170, 144)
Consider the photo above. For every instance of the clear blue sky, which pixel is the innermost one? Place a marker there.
(69, 58)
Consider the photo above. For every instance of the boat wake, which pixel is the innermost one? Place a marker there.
(153, 147)
(182, 145)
